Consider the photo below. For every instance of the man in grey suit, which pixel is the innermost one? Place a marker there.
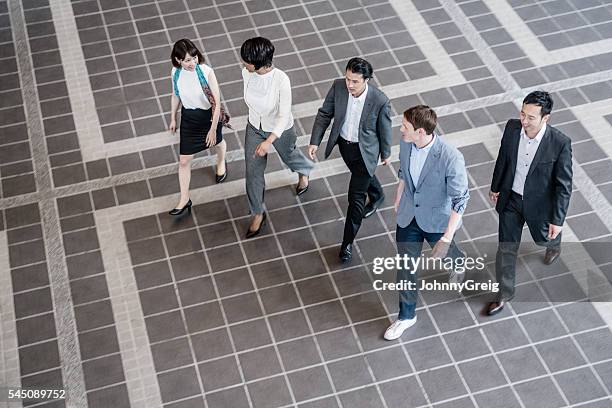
(362, 130)
(431, 197)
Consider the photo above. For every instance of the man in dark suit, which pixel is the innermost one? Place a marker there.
(532, 183)
(362, 129)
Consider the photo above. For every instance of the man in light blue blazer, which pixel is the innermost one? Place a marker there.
(431, 197)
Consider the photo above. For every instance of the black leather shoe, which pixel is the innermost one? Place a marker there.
(496, 306)
(301, 190)
(371, 208)
(551, 255)
(346, 252)
(221, 178)
(179, 211)
(251, 234)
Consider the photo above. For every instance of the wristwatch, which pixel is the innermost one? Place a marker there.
(446, 240)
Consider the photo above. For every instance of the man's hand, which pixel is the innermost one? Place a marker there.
(553, 231)
(386, 161)
(172, 127)
(493, 197)
(440, 249)
(262, 148)
(312, 149)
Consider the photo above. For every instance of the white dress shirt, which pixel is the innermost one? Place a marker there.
(190, 90)
(354, 108)
(418, 158)
(268, 97)
(526, 152)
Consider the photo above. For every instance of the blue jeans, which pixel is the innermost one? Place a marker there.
(410, 242)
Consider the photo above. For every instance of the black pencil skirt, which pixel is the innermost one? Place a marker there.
(195, 124)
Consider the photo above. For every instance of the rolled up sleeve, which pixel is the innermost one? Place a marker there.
(457, 184)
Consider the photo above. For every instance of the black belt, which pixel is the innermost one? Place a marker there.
(343, 140)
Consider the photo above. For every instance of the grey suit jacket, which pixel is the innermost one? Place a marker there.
(374, 125)
(442, 186)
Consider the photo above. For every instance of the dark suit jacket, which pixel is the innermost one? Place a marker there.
(374, 126)
(548, 185)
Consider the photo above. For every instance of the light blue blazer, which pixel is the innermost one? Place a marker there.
(442, 186)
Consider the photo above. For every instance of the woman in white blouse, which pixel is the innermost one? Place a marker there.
(267, 93)
(200, 123)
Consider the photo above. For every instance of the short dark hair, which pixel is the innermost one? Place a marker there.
(541, 99)
(181, 49)
(422, 116)
(360, 66)
(258, 51)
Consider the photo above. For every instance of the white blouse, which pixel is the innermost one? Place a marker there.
(268, 97)
(190, 91)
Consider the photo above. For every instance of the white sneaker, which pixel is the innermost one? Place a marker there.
(398, 327)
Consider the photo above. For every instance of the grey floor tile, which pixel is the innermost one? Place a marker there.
(541, 392)
(551, 350)
(251, 334)
(235, 397)
(29, 277)
(171, 354)
(115, 396)
(427, 354)
(442, 383)
(388, 363)
(279, 298)
(202, 317)
(501, 397)
(309, 383)
(596, 344)
(35, 329)
(269, 392)
(349, 373)
(233, 282)
(466, 344)
(580, 385)
(327, 316)
(403, 391)
(580, 316)
(32, 302)
(362, 398)
(259, 363)
(504, 334)
(542, 325)
(154, 274)
(587, 226)
(521, 364)
(338, 343)
(103, 371)
(241, 307)
(178, 384)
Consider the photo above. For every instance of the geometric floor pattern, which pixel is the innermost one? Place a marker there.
(105, 296)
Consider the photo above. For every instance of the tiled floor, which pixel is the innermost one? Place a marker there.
(104, 295)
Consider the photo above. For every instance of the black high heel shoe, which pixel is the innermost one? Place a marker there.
(251, 234)
(179, 211)
(221, 178)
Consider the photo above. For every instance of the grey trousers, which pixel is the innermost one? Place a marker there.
(256, 166)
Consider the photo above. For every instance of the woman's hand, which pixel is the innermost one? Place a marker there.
(211, 137)
(172, 127)
(262, 148)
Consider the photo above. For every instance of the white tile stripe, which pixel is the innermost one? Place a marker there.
(80, 93)
(10, 375)
(141, 381)
(447, 72)
(531, 44)
(68, 344)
